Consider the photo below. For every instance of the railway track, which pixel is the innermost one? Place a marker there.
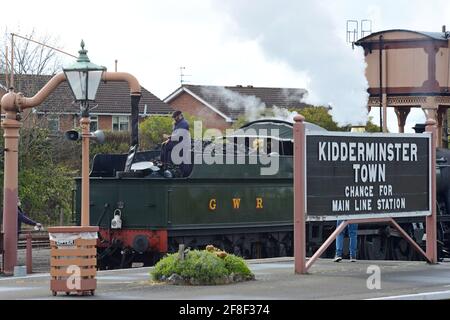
(39, 239)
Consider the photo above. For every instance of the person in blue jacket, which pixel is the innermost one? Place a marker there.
(23, 218)
(176, 137)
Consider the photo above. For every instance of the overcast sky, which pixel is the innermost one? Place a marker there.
(219, 42)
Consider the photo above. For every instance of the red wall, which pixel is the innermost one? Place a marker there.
(188, 104)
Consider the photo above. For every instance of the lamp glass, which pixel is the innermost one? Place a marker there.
(77, 82)
(84, 77)
(93, 82)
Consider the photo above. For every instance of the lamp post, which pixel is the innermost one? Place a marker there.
(13, 103)
(84, 78)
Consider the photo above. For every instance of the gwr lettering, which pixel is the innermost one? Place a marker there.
(236, 203)
(259, 203)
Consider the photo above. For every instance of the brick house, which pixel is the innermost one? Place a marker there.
(111, 110)
(219, 106)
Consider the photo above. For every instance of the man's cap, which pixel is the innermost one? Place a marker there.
(176, 113)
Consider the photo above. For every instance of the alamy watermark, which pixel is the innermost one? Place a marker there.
(374, 280)
(242, 146)
(73, 282)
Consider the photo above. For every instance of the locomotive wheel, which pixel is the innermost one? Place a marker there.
(376, 247)
(237, 251)
(282, 250)
(401, 249)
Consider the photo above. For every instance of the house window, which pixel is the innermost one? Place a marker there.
(120, 123)
(94, 123)
(53, 123)
(76, 121)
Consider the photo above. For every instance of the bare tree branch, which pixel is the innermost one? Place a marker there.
(31, 58)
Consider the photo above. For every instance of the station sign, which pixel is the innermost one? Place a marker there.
(367, 175)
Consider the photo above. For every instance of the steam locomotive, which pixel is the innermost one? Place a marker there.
(144, 211)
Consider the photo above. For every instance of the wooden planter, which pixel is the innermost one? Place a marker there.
(73, 259)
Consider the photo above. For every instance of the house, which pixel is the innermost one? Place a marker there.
(111, 110)
(219, 107)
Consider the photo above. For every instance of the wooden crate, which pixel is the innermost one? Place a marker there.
(73, 265)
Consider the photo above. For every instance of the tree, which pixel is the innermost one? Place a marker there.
(321, 117)
(372, 127)
(33, 66)
(239, 122)
(152, 129)
(31, 58)
(44, 184)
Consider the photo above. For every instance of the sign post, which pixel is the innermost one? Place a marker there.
(431, 219)
(299, 195)
(363, 178)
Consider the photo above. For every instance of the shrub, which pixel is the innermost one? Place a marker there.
(237, 265)
(202, 267)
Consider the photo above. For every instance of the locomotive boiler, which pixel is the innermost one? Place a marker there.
(145, 212)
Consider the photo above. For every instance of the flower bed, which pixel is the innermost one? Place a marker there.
(202, 267)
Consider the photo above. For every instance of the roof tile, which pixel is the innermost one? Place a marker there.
(112, 97)
(233, 101)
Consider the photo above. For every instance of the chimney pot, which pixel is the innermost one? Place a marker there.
(444, 29)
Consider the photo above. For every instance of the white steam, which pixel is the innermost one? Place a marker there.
(304, 35)
(283, 114)
(251, 106)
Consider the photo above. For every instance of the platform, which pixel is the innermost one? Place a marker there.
(275, 280)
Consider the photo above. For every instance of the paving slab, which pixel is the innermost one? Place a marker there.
(275, 280)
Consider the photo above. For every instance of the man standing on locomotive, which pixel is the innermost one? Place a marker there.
(179, 133)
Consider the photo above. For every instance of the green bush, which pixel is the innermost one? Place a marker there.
(44, 183)
(202, 267)
(237, 265)
(151, 130)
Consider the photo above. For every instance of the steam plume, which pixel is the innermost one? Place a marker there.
(303, 35)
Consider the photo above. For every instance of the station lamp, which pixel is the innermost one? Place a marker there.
(84, 78)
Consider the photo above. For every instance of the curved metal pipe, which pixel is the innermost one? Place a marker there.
(133, 83)
(25, 103)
